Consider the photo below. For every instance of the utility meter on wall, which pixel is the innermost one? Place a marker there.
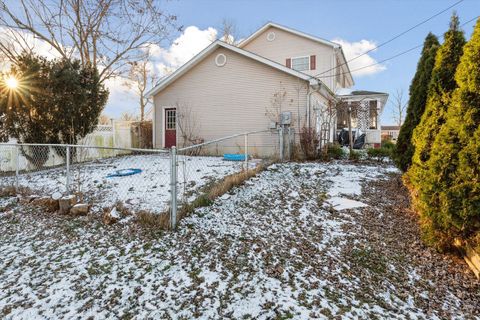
(285, 118)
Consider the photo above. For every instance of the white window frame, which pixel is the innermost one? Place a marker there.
(168, 123)
(300, 57)
(164, 121)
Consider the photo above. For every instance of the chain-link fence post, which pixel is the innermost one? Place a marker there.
(17, 166)
(68, 169)
(173, 187)
(280, 133)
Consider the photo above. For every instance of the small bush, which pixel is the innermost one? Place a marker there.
(380, 154)
(387, 144)
(355, 155)
(309, 143)
(335, 151)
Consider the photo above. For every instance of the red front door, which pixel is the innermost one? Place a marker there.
(170, 127)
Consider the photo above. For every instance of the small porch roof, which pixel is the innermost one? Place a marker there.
(361, 95)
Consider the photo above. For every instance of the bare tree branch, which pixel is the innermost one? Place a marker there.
(399, 107)
(142, 76)
(229, 32)
(105, 33)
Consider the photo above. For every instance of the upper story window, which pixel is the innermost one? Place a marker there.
(301, 63)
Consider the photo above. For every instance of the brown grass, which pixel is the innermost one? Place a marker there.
(207, 195)
(151, 220)
(217, 189)
(10, 191)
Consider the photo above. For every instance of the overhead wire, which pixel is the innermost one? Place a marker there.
(391, 39)
(390, 58)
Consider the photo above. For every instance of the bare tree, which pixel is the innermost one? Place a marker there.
(142, 76)
(229, 32)
(104, 33)
(399, 107)
(277, 104)
(126, 116)
(188, 125)
(104, 120)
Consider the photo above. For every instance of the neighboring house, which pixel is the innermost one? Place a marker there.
(390, 132)
(226, 90)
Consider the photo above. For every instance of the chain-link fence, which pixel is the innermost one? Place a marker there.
(142, 179)
(202, 169)
(100, 176)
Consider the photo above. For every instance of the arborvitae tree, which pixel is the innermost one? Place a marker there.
(449, 197)
(440, 90)
(56, 101)
(416, 105)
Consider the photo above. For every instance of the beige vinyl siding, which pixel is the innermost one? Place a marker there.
(288, 45)
(232, 99)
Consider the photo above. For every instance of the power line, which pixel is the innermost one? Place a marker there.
(392, 57)
(394, 38)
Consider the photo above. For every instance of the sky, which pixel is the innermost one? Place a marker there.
(357, 25)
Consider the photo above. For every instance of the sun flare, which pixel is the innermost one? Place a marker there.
(12, 83)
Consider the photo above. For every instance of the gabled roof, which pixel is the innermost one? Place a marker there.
(338, 47)
(290, 30)
(217, 44)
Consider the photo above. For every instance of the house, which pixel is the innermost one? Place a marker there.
(228, 89)
(390, 133)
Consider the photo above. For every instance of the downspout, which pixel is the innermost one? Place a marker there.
(154, 127)
(309, 94)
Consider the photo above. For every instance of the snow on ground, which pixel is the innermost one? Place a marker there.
(339, 203)
(271, 249)
(149, 190)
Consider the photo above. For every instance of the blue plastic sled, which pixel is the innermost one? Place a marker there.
(234, 157)
(124, 173)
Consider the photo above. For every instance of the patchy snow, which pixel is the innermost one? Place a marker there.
(268, 250)
(114, 213)
(339, 203)
(149, 190)
(347, 179)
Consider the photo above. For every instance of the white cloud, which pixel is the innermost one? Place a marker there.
(166, 60)
(26, 41)
(121, 98)
(354, 49)
(185, 47)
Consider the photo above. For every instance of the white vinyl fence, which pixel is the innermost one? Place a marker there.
(117, 135)
(142, 179)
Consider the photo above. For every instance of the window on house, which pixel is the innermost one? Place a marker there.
(301, 63)
(171, 121)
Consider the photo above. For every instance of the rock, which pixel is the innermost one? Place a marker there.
(111, 216)
(79, 209)
(47, 203)
(66, 203)
(56, 196)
